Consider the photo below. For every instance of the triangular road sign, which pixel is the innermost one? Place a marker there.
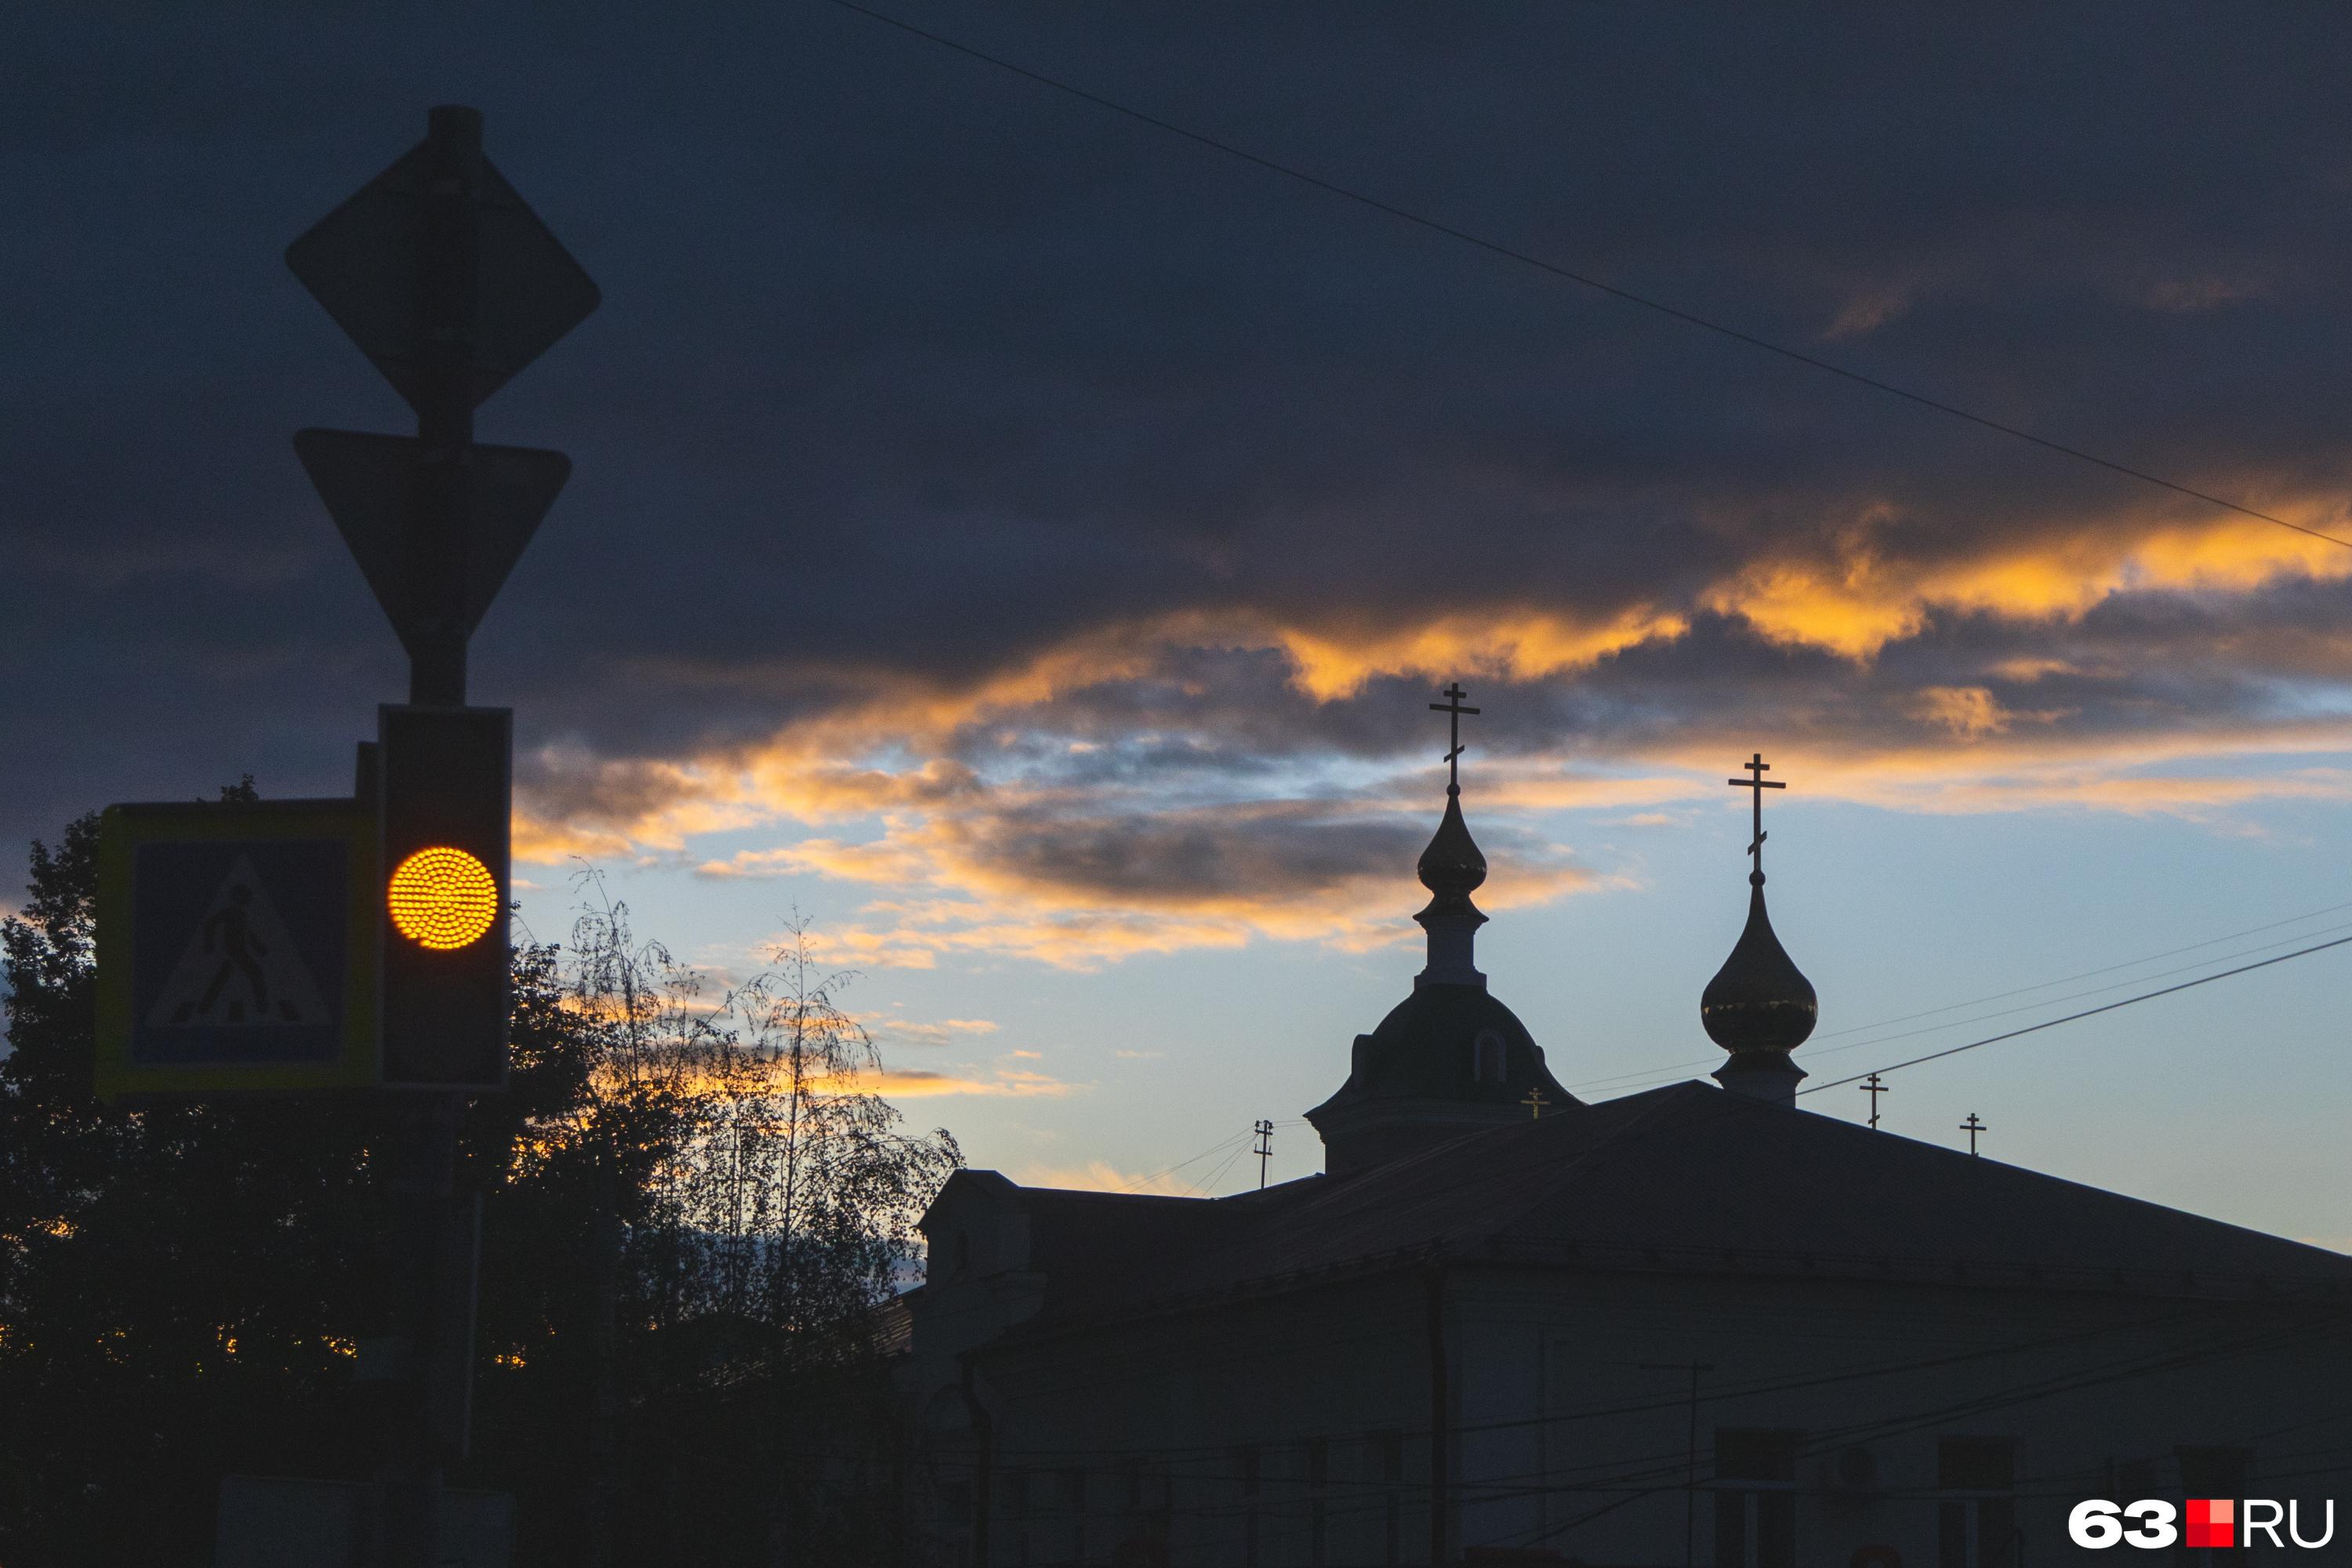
(240, 968)
(368, 484)
(363, 262)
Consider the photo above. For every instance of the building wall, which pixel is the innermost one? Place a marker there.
(1578, 1421)
(1294, 1428)
(1285, 1429)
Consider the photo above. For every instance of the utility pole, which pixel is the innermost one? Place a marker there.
(1972, 1127)
(1873, 1088)
(1690, 1464)
(1263, 1148)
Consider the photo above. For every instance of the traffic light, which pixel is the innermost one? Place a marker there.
(443, 790)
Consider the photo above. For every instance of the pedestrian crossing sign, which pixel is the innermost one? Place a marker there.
(237, 947)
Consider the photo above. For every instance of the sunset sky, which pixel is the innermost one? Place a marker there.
(1025, 543)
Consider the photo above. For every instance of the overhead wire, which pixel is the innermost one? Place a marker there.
(1142, 1182)
(1690, 318)
(1753, 341)
(1528, 258)
(2085, 975)
(2085, 1013)
(1218, 1147)
(1195, 1189)
(2077, 995)
(1670, 1073)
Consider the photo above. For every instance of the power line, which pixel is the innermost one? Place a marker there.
(1526, 258)
(1668, 1073)
(1200, 1187)
(2086, 1013)
(2076, 995)
(1143, 1181)
(2085, 974)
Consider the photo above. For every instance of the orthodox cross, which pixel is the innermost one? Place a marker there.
(1873, 1088)
(1757, 768)
(1454, 694)
(1972, 1127)
(1264, 1148)
(1535, 1102)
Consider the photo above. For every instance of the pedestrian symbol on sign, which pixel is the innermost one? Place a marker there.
(237, 947)
(240, 966)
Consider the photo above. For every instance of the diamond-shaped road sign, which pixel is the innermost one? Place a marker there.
(364, 262)
(369, 484)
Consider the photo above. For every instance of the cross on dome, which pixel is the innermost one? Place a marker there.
(1757, 768)
(1452, 868)
(1454, 694)
(1759, 1006)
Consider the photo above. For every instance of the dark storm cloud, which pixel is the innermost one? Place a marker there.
(911, 372)
(1285, 849)
(1078, 879)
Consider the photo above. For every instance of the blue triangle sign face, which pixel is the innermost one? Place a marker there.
(370, 484)
(241, 968)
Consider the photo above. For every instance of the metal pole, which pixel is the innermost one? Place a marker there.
(448, 274)
(421, 1159)
(443, 1264)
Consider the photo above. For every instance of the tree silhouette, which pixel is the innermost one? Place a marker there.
(694, 1209)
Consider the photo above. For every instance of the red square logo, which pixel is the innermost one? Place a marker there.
(2210, 1521)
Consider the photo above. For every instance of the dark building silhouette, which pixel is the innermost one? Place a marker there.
(1693, 1319)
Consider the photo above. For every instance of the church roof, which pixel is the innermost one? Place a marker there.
(1688, 1178)
(1422, 1049)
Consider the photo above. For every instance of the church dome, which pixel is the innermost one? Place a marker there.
(1451, 1042)
(1760, 1000)
(1449, 1059)
(1452, 863)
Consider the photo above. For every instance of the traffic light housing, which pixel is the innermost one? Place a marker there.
(444, 793)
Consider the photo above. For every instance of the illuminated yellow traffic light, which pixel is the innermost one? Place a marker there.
(442, 778)
(442, 899)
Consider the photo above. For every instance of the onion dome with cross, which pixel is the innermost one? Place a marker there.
(1452, 868)
(1759, 1006)
(1450, 1057)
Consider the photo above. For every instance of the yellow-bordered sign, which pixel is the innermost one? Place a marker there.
(237, 947)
